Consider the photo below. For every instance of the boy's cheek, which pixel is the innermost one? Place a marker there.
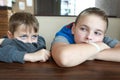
(35, 41)
(98, 39)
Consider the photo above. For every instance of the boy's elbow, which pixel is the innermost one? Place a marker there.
(63, 62)
(61, 59)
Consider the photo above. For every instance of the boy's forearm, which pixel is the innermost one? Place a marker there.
(29, 57)
(73, 54)
(40, 55)
(112, 54)
(11, 54)
(68, 55)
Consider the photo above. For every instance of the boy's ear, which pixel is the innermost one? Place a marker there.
(73, 28)
(9, 34)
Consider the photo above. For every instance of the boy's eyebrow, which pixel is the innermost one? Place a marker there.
(35, 35)
(83, 25)
(100, 30)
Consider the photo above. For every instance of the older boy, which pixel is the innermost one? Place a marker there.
(84, 40)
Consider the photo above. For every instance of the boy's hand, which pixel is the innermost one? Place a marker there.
(102, 46)
(1, 40)
(41, 55)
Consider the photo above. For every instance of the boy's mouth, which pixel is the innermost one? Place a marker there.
(87, 41)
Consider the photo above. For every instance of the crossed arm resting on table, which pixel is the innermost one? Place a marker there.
(13, 50)
(68, 55)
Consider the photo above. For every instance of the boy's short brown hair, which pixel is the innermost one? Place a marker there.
(25, 18)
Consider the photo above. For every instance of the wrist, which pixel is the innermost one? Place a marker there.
(27, 57)
(96, 46)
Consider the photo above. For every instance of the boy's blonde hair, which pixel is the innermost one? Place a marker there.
(95, 11)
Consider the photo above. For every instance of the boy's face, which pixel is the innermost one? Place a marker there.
(26, 35)
(90, 28)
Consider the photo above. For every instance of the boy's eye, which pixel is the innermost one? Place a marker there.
(98, 33)
(83, 29)
(23, 36)
(34, 36)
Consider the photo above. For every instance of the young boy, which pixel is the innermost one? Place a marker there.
(84, 40)
(23, 42)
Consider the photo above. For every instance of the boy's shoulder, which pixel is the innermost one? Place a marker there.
(6, 41)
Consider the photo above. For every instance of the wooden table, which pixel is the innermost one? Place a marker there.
(90, 70)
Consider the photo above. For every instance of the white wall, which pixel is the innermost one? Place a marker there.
(50, 25)
(114, 28)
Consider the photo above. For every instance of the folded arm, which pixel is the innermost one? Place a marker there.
(68, 55)
(112, 54)
(40, 55)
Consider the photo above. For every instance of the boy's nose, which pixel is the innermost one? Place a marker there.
(90, 37)
(29, 40)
